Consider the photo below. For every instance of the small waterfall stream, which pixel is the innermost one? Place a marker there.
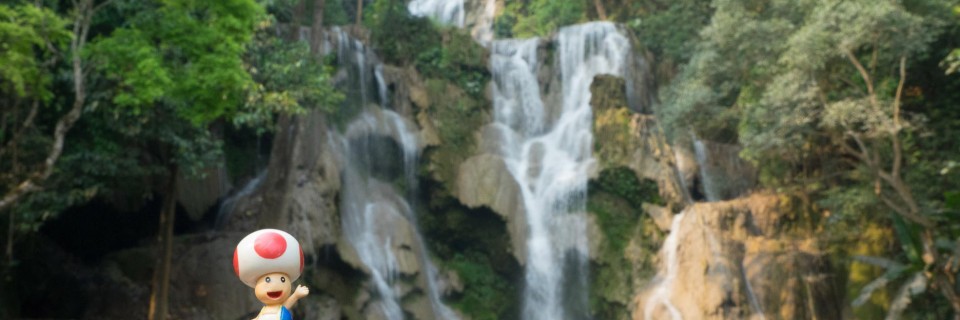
(230, 203)
(449, 12)
(667, 274)
(379, 153)
(708, 176)
(551, 158)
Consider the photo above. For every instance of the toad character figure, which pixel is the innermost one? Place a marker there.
(269, 261)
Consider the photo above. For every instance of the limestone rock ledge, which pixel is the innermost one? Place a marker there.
(737, 260)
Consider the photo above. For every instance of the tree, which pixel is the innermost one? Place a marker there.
(36, 36)
(814, 91)
(228, 66)
(181, 64)
(37, 40)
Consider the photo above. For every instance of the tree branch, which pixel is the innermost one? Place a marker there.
(921, 220)
(901, 189)
(865, 153)
(863, 73)
(848, 149)
(895, 134)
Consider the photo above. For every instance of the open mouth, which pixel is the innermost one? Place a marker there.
(274, 294)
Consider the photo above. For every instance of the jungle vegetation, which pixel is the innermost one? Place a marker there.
(852, 104)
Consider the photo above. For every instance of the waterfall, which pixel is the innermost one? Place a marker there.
(379, 152)
(723, 173)
(552, 158)
(449, 12)
(226, 208)
(707, 175)
(668, 273)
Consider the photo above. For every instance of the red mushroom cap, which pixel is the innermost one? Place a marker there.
(267, 251)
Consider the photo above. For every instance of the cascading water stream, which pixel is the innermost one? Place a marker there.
(453, 12)
(449, 12)
(707, 176)
(668, 273)
(377, 149)
(552, 158)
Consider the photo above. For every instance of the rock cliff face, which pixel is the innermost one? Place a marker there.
(738, 259)
(298, 192)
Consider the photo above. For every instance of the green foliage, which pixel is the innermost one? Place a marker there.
(615, 199)
(449, 54)
(456, 116)
(764, 68)
(288, 80)
(475, 244)
(201, 45)
(623, 182)
(952, 62)
(398, 36)
(163, 73)
(25, 30)
(486, 294)
(952, 199)
(459, 60)
(660, 30)
(334, 14)
(539, 18)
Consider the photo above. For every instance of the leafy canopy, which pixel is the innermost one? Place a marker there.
(186, 54)
(25, 30)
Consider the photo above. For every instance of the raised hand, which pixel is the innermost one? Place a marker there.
(301, 291)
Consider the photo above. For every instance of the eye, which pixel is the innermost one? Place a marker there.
(282, 279)
(267, 280)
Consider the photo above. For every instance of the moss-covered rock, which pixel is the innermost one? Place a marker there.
(473, 243)
(623, 138)
(627, 251)
(456, 117)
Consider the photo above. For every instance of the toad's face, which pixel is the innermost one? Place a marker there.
(273, 288)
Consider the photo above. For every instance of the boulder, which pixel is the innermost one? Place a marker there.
(484, 180)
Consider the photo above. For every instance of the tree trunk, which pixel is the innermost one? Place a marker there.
(10, 230)
(297, 20)
(600, 10)
(159, 302)
(316, 30)
(359, 12)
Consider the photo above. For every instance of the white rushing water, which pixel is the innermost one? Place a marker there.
(711, 187)
(367, 205)
(378, 148)
(660, 296)
(551, 158)
(449, 12)
(453, 12)
(723, 173)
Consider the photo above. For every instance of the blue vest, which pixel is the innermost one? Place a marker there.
(285, 314)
